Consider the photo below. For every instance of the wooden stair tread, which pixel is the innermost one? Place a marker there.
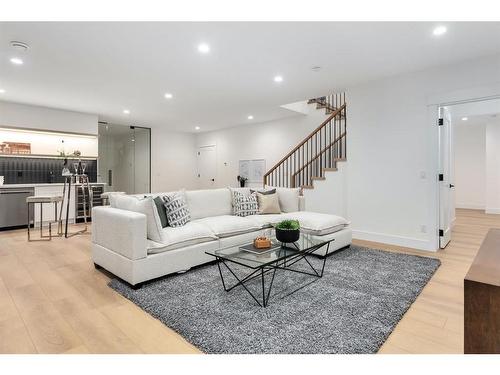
(318, 178)
(307, 187)
(329, 170)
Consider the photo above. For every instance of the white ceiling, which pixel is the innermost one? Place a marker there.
(106, 67)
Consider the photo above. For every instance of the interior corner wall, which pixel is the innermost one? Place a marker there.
(43, 118)
(493, 167)
(469, 146)
(173, 160)
(269, 141)
(392, 153)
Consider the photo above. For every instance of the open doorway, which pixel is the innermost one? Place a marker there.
(469, 177)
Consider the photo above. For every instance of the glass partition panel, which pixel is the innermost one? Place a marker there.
(124, 158)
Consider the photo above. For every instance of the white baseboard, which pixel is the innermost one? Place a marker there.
(390, 239)
(470, 206)
(495, 211)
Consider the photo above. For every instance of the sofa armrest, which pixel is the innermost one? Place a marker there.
(302, 203)
(121, 231)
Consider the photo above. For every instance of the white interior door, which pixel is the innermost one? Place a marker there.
(445, 184)
(207, 167)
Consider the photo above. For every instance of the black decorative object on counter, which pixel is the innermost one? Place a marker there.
(242, 180)
(33, 170)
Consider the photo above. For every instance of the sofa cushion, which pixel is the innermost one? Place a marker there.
(288, 198)
(210, 202)
(228, 225)
(143, 205)
(177, 209)
(268, 203)
(263, 191)
(245, 205)
(317, 223)
(158, 247)
(189, 234)
(265, 221)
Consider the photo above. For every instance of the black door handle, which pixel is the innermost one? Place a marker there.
(452, 186)
(213, 179)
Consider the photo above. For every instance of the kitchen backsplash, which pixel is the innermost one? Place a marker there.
(26, 170)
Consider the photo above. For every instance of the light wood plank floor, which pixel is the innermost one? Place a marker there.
(52, 300)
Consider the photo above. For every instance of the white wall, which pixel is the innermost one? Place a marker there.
(42, 118)
(173, 160)
(470, 165)
(493, 167)
(270, 141)
(392, 144)
(329, 196)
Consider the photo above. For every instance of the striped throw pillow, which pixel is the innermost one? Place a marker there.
(245, 205)
(177, 209)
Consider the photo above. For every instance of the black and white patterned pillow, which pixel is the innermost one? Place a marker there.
(177, 209)
(245, 205)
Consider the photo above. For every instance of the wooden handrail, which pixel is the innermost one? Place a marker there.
(324, 123)
(319, 154)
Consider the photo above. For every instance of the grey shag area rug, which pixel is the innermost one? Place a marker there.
(355, 306)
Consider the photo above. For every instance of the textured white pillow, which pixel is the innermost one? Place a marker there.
(288, 198)
(144, 206)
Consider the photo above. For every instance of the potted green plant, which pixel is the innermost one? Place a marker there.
(242, 180)
(287, 231)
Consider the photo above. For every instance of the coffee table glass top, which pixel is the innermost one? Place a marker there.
(305, 243)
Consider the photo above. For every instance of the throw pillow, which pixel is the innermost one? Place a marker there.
(162, 212)
(144, 206)
(289, 199)
(265, 192)
(177, 210)
(245, 205)
(268, 203)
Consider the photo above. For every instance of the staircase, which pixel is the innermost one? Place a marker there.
(318, 153)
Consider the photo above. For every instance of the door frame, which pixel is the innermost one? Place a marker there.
(198, 164)
(434, 102)
(150, 147)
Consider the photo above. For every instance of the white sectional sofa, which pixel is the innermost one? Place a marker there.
(127, 243)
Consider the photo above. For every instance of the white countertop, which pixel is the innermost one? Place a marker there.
(6, 186)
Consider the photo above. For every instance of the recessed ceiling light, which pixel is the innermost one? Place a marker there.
(196, 128)
(2, 91)
(439, 30)
(250, 117)
(278, 79)
(465, 118)
(126, 111)
(16, 61)
(168, 95)
(203, 48)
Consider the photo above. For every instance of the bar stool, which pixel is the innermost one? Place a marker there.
(43, 200)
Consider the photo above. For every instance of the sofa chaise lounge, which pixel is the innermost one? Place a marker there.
(128, 241)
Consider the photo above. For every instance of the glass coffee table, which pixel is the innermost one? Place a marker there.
(281, 257)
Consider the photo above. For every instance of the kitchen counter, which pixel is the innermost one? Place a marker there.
(6, 186)
(13, 202)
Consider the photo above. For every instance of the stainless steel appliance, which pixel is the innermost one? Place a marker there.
(13, 211)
